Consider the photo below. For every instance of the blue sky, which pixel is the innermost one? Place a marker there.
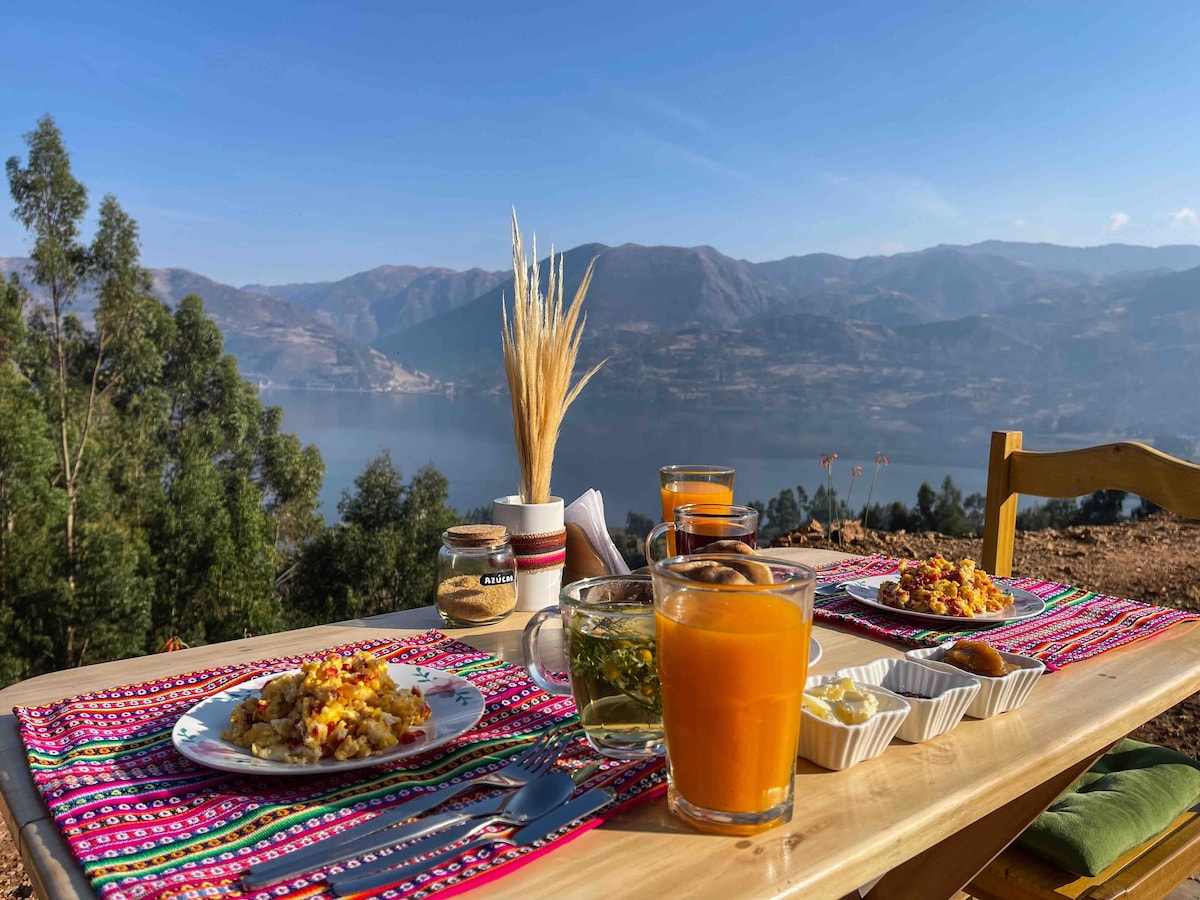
(274, 142)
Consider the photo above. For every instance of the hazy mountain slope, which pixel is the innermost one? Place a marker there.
(673, 288)
(939, 345)
(19, 264)
(951, 284)
(1109, 259)
(371, 304)
(275, 342)
(467, 338)
(679, 287)
(816, 272)
(281, 343)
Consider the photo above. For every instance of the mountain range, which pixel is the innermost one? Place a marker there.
(946, 343)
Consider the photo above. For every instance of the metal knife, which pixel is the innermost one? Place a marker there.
(358, 840)
(380, 874)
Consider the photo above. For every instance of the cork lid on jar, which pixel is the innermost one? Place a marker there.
(476, 535)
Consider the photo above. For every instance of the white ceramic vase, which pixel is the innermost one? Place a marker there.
(539, 540)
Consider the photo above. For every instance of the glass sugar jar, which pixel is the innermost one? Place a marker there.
(476, 575)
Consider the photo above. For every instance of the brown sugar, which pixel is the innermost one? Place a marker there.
(466, 599)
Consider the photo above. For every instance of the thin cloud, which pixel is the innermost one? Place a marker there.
(1183, 217)
(662, 110)
(689, 125)
(1117, 220)
(1020, 223)
(913, 196)
(889, 248)
(693, 158)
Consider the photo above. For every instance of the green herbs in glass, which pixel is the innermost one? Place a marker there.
(614, 674)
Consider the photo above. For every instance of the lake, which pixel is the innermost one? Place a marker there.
(469, 440)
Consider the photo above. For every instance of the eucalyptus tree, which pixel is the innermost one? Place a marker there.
(101, 584)
(145, 493)
(239, 495)
(50, 204)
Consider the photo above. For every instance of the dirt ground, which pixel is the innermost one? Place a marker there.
(1157, 561)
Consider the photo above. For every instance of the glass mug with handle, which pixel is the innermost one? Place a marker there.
(610, 646)
(697, 525)
(681, 485)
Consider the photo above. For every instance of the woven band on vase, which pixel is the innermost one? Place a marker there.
(540, 552)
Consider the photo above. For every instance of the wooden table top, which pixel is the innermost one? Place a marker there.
(849, 827)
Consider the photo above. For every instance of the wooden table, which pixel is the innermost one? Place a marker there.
(922, 818)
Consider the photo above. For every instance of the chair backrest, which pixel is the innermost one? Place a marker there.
(1174, 484)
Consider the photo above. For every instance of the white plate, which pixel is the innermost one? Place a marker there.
(1024, 604)
(455, 703)
(814, 651)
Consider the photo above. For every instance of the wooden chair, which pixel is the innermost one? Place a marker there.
(1128, 466)
(1147, 872)
(1154, 868)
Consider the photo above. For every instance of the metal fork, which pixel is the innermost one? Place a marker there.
(539, 757)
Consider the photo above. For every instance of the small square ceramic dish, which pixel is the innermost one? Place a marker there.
(834, 745)
(940, 701)
(996, 695)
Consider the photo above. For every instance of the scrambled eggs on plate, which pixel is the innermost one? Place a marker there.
(945, 589)
(339, 707)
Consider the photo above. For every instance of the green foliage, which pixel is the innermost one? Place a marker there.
(784, 514)
(630, 541)
(145, 493)
(1144, 509)
(382, 556)
(974, 506)
(32, 511)
(50, 203)
(477, 515)
(826, 507)
(1051, 514)
(926, 500)
(13, 298)
(948, 514)
(1101, 508)
(894, 516)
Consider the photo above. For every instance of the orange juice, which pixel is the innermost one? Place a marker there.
(732, 672)
(680, 493)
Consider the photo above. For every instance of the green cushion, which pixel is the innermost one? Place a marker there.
(1131, 794)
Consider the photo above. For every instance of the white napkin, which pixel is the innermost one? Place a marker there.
(588, 513)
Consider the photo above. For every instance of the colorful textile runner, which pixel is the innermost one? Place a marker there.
(1077, 624)
(146, 822)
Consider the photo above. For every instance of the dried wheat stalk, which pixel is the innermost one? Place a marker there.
(540, 346)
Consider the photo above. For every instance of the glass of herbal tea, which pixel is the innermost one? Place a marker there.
(611, 662)
(697, 526)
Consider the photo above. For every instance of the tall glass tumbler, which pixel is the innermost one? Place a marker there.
(679, 485)
(732, 660)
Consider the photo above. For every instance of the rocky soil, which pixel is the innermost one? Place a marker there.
(1157, 560)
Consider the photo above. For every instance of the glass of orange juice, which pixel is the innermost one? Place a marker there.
(732, 660)
(679, 485)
